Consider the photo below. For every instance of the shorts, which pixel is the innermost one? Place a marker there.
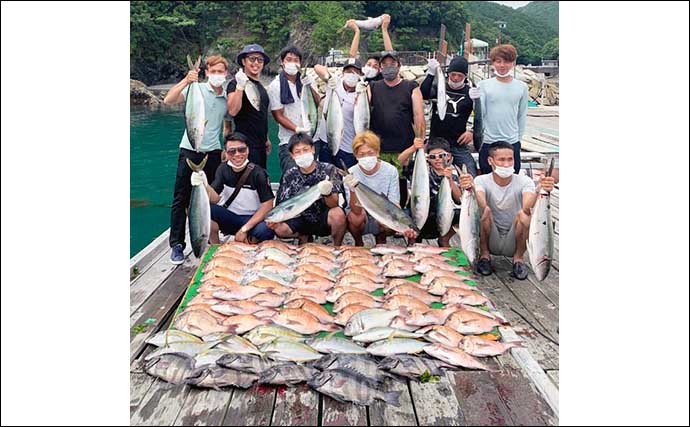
(502, 244)
(301, 225)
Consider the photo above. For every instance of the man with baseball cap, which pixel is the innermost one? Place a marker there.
(453, 128)
(248, 102)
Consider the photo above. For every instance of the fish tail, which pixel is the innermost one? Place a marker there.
(200, 166)
(392, 397)
(189, 63)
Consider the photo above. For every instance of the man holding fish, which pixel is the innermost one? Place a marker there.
(213, 106)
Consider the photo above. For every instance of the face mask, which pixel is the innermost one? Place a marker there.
(456, 86)
(216, 80)
(369, 72)
(350, 79)
(504, 172)
(389, 73)
(291, 68)
(235, 167)
(508, 73)
(367, 163)
(304, 160)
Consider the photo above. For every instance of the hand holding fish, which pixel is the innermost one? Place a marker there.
(547, 183)
(475, 93)
(418, 143)
(350, 182)
(325, 187)
(448, 172)
(332, 82)
(199, 178)
(241, 79)
(308, 79)
(351, 24)
(465, 138)
(432, 65)
(410, 234)
(192, 76)
(361, 87)
(386, 21)
(466, 181)
(241, 236)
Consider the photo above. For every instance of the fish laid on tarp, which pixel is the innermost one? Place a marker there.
(332, 344)
(463, 296)
(194, 110)
(351, 298)
(441, 285)
(274, 254)
(237, 293)
(411, 303)
(471, 323)
(345, 387)
(359, 365)
(312, 308)
(454, 356)
(420, 248)
(382, 333)
(383, 210)
(540, 243)
(391, 346)
(287, 374)
(369, 24)
(247, 363)
(412, 291)
(199, 323)
(412, 366)
(230, 308)
(172, 368)
(442, 335)
(420, 194)
(265, 334)
(199, 213)
(290, 351)
(346, 313)
(301, 321)
(294, 206)
(361, 115)
(335, 124)
(398, 268)
(235, 344)
(468, 226)
(216, 377)
(368, 319)
(481, 347)
(170, 336)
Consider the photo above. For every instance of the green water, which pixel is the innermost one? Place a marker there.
(153, 148)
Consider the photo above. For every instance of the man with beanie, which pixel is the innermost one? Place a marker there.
(248, 102)
(453, 128)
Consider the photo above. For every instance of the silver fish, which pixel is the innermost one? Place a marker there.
(194, 110)
(332, 344)
(290, 351)
(444, 207)
(170, 336)
(383, 211)
(368, 24)
(172, 368)
(420, 194)
(368, 319)
(344, 387)
(294, 206)
(540, 243)
(391, 346)
(190, 349)
(334, 123)
(441, 98)
(361, 115)
(382, 333)
(468, 226)
(199, 213)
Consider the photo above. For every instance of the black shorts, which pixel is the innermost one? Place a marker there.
(320, 228)
(430, 229)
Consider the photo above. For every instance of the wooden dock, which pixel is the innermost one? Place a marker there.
(523, 391)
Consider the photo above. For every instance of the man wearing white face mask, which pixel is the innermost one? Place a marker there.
(505, 200)
(345, 88)
(284, 95)
(504, 105)
(325, 216)
(215, 105)
(240, 195)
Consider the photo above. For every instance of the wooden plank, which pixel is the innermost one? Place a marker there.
(525, 405)
(538, 305)
(479, 399)
(436, 403)
(296, 406)
(383, 414)
(161, 405)
(146, 257)
(342, 414)
(553, 374)
(545, 352)
(550, 285)
(158, 308)
(251, 407)
(146, 284)
(204, 407)
(139, 385)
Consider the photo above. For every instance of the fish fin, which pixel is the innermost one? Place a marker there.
(392, 397)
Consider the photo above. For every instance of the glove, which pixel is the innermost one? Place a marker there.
(433, 67)
(475, 93)
(199, 178)
(299, 129)
(325, 187)
(332, 82)
(361, 87)
(241, 79)
(350, 182)
(310, 78)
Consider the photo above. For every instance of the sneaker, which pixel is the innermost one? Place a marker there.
(520, 270)
(484, 267)
(177, 254)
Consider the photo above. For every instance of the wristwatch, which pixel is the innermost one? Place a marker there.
(244, 229)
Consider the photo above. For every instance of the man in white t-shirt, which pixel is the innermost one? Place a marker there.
(505, 200)
(284, 99)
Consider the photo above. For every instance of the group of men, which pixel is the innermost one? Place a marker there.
(239, 187)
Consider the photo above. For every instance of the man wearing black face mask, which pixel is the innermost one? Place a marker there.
(453, 128)
(397, 108)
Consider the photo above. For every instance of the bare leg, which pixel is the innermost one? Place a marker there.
(283, 231)
(338, 223)
(485, 221)
(444, 241)
(355, 224)
(214, 239)
(521, 225)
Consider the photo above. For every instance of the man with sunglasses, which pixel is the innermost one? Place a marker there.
(440, 159)
(248, 102)
(453, 128)
(238, 212)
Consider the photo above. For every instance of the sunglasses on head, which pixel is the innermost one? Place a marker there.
(438, 156)
(240, 150)
(259, 59)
